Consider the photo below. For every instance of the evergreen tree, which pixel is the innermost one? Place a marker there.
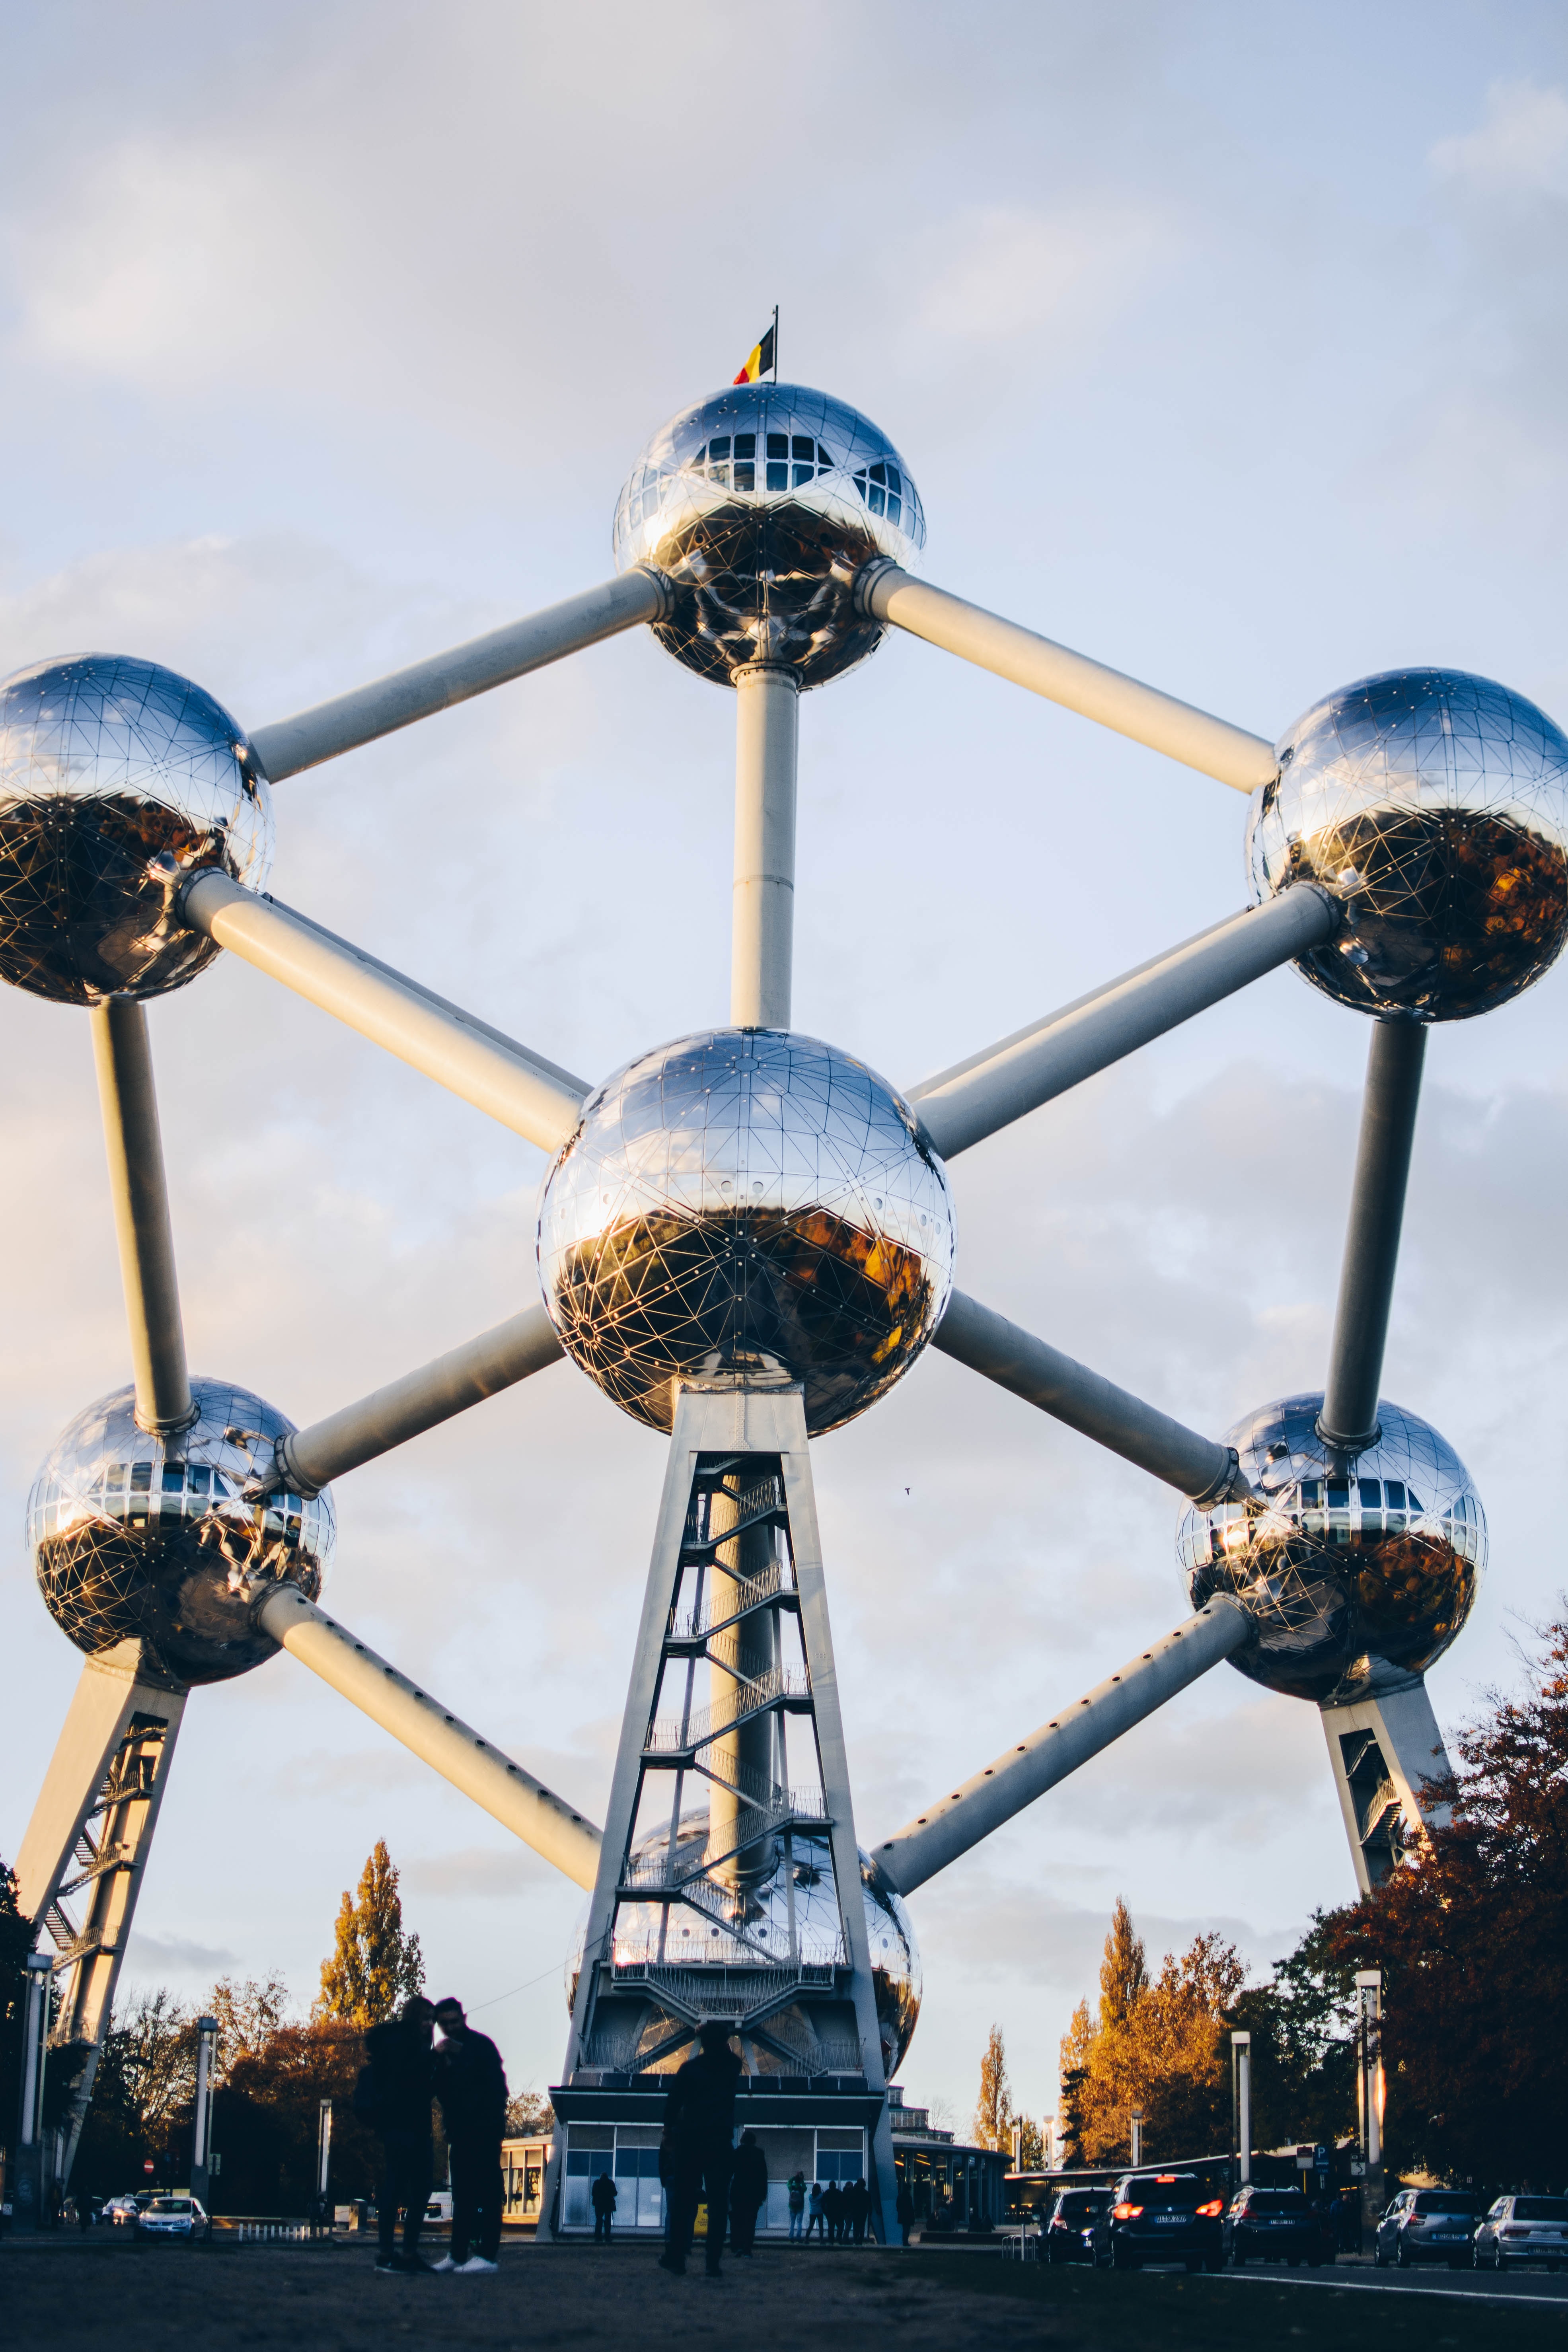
(374, 1965)
(994, 2109)
(15, 1943)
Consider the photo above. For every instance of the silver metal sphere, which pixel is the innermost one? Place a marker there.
(141, 1536)
(106, 764)
(1435, 805)
(760, 505)
(736, 1932)
(1358, 1571)
(746, 1200)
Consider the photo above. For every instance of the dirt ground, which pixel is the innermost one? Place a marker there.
(124, 2297)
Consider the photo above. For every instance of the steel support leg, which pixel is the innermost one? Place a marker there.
(1349, 1417)
(135, 1152)
(766, 742)
(1383, 1752)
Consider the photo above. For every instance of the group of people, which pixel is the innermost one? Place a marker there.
(839, 2215)
(406, 2068)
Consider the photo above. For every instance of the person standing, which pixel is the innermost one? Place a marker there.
(748, 2192)
(797, 2204)
(605, 2196)
(833, 2212)
(699, 2131)
(904, 2207)
(397, 2056)
(470, 2082)
(817, 2219)
(857, 2210)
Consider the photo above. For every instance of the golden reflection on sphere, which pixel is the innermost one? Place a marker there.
(1435, 806)
(746, 1201)
(1357, 1571)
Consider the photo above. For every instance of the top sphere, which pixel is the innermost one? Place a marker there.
(107, 763)
(760, 506)
(746, 1201)
(137, 1536)
(1434, 805)
(1357, 1571)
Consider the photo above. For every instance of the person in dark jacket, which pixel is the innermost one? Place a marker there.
(398, 2056)
(604, 2197)
(698, 2132)
(857, 2211)
(905, 2209)
(748, 2192)
(470, 2082)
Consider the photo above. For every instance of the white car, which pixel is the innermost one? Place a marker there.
(1522, 2230)
(175, 2217)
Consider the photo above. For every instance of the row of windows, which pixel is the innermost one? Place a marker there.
(790, 461)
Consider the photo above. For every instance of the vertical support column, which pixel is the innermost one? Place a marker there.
(745, 1652)
(200, 2137)
(1349, 1417)
(29, 2192)
(762, 937)
(1384, 1751)
(1241, 2061)
(1369, 2005)
(135, 1151)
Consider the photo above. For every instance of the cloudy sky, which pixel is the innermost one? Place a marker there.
(1225, 342)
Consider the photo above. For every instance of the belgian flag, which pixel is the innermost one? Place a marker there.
(763, 358)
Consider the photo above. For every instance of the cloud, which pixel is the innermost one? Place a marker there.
(1000, 273)
(1521, 149)
(160, 1956)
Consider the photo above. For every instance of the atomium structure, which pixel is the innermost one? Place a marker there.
(746, 1236)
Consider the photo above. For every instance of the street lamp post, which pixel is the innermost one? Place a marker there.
(1241, 2103)
(29, 2199)
(1370, 2088)
(1137, 2137)
(202, 2135)
(323, 2162)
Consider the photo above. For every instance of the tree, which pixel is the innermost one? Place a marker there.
(374, 1965)
(1159, 2045)
(267, 2117)
(247, 2016)
(1032, 2145)
(529, 2113)
(994, 2109)
(15, 1942)
(1470, 1940)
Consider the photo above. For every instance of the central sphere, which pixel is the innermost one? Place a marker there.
(142, 1537)
(1358, 1571)
(760, 506)
(106, 764)
(1435, 806)
(746, 1200)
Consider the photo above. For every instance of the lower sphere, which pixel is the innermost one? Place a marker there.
(720, 1932)
(143, 1538)
(1358, 1571)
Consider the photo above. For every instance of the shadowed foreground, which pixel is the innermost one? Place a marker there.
(145, 2298)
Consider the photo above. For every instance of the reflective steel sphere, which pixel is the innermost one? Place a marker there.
(1357, 1571)
(722, 1930)
(760, 506)
(746, 1200)
(107, 763)
(136, 1536)
(1435, 805)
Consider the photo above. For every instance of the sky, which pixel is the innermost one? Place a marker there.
(1225, 342)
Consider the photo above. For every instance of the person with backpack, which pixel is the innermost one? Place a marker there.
(470, 2082)
(392, 2094)
(698, 2130)
(605, 2197)
(797, 2204)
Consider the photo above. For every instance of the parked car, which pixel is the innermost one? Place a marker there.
(1163, 2217)
(1522, 2230)
(1069, 2233)
(1426, 2225)
(124, 2212)
(1277, 2225)
(175, 2216)
(439, 2209)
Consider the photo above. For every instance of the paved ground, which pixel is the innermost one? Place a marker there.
(1531, 2286)
(113, 2296)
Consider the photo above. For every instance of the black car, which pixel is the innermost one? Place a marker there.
(1164, 2216)
(1426, 2225)
(1070, 2232)
(1277, 2225)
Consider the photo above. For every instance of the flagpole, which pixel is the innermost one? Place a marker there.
(775, 342)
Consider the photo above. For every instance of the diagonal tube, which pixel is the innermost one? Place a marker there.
(521, 1089)
(962, 1105)
(985, 1342)
(983, 1803)
(134, 1148)
(504, 1790)
(290, 745)
(1234, 757)
(1389, 1107)
(308, 1459)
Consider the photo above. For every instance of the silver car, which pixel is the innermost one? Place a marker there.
(1524, 2230)
(1426, 2225)
(175, 2217)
